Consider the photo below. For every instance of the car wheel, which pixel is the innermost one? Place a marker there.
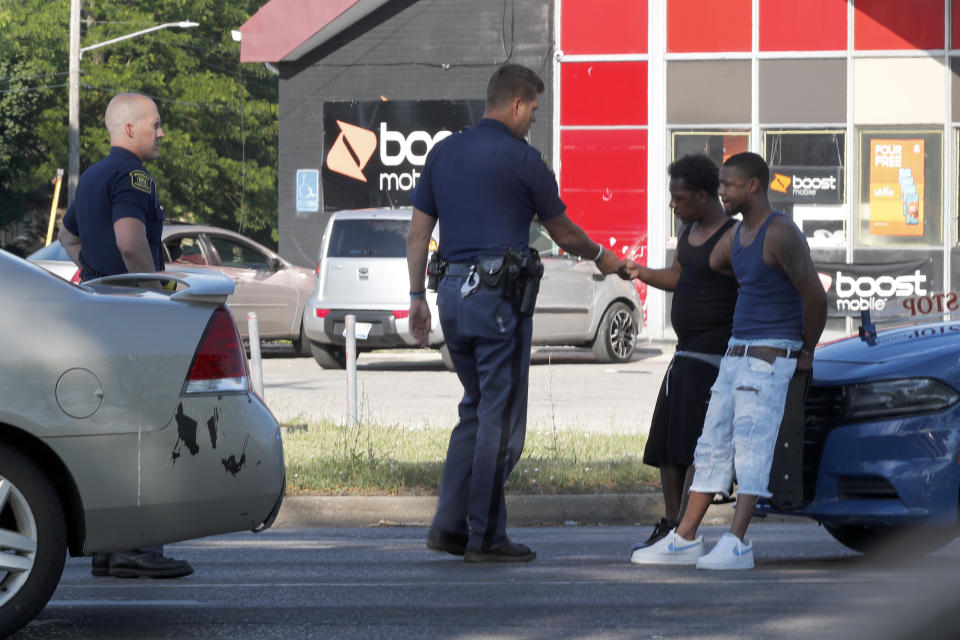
(902, 540)
(329, 356)
(447, 360)
(302, 344)
(617, 335)
(33, 540)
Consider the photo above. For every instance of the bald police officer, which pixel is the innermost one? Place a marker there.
(485, 185)
(114, 225)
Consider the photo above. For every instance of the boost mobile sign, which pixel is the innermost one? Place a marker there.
(878, 288)
(806, 185)
(374, 151)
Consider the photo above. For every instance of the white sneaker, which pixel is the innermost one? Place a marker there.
(671, 549)
(730, 553)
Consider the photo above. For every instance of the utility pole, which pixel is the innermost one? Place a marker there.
(74, 100)
(74, 107)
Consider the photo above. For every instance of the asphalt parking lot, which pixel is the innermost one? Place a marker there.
(568, 389)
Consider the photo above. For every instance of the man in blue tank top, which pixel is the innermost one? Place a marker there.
(702, 317)
(781, 311)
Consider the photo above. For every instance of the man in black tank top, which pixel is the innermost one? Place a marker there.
(702, 316)
(780, 314)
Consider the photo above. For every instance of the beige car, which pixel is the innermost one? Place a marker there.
(127, 419)
(264, 282)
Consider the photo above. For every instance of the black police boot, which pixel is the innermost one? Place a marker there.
(138, 563)
(452, 543)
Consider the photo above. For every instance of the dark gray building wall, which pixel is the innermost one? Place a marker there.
(406, 50)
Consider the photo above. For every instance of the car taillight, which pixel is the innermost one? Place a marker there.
(399, 314)
(76, 277)
(316, 270)
(220, 363)
(321, 313)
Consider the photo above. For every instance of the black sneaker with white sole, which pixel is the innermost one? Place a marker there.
(660, 530)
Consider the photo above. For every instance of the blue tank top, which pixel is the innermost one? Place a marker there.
(768, 306)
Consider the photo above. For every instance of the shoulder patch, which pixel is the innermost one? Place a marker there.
(141, 181)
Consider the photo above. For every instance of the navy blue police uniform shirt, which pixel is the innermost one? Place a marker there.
(485, 186)
(116, 187)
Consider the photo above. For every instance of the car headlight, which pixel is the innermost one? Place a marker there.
(889, 398)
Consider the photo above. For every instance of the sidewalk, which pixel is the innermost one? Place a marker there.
(522, 510)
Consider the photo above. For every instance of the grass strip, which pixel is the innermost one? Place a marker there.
(331, 459)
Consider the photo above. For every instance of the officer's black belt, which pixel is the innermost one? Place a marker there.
(457, 269)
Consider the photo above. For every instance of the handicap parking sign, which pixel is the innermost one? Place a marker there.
(308, 189)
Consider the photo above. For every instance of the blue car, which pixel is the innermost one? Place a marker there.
(876, 454)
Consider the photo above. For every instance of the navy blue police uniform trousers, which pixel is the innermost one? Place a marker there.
(489, 343)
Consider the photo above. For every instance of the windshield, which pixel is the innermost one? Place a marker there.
(541, 241)
(368, 238)
(53, 251)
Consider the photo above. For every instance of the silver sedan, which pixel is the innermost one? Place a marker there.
(127, 419)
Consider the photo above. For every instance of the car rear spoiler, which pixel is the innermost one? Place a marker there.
(192, 286)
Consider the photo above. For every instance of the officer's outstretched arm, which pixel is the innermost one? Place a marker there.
(573, 239)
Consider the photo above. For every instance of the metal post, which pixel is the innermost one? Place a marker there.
(256, 369)
(53, 207)
(73, 102)
(351, 331)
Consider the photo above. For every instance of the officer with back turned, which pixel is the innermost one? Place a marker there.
(485, 185)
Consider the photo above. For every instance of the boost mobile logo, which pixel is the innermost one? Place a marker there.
(352, 151)
(780, 183)
(871, 293)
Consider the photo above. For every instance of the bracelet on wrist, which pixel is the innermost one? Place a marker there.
(417, 294)
(599, 255)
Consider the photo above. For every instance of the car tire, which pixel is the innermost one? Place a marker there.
(329, 356)
(617, 334)
(900, 540)
(302, 344)
(30, 513)
(447, 360)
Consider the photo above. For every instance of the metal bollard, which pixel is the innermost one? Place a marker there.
(351, 335)
(256, 367)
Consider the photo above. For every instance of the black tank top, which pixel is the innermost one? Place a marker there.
(704, 300)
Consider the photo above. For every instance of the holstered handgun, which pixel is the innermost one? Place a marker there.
(435, 268)
(522, 273)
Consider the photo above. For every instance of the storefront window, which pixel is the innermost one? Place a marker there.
(717, 145)
(900, 187)
(807, 182)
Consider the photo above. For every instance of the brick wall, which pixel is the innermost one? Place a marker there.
(406, 50)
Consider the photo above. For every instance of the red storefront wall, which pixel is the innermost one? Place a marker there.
(603, 117)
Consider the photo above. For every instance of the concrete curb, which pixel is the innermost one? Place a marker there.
(522, 510)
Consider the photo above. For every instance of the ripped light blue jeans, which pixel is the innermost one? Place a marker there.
(742, 422)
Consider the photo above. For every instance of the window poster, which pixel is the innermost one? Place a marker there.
(896, 187)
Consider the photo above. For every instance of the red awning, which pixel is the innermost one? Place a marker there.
(284, 30)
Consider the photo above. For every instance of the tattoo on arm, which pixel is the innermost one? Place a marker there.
(794, 258)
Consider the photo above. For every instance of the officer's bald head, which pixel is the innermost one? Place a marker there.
(126, 108)
(133, 122)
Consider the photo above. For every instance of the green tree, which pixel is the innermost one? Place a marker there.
(218, 159)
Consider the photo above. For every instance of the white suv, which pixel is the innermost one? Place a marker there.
(362, 270)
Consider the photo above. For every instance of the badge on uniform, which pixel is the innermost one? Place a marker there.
(141, 181)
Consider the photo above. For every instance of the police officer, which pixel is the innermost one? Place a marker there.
(114, 225)
(485, 185)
